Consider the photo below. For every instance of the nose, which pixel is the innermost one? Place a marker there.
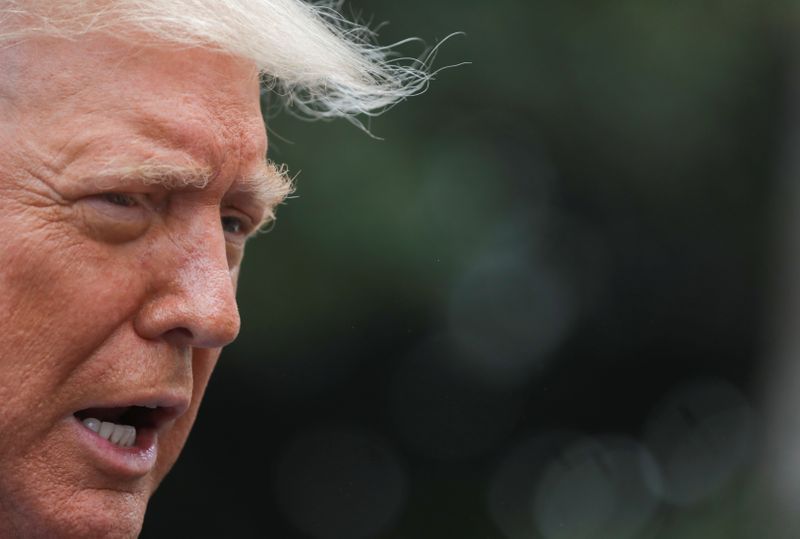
(193, 298)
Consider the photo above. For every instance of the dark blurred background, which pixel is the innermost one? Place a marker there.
(535, 309)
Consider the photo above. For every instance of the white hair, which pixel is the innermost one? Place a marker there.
(321, 63)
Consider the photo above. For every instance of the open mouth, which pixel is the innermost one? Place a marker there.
(122, 426)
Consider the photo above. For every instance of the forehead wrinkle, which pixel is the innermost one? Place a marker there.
(197, 135)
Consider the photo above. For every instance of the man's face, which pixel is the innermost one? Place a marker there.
(129, 180)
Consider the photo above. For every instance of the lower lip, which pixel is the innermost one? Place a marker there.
(131, 462)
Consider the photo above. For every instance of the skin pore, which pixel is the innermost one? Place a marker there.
(131, 177)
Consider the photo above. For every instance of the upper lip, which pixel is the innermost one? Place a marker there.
(168, 406)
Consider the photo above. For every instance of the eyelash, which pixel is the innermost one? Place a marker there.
(120, 199)
(127, 201)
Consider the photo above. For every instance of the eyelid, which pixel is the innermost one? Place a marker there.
(102, 203)
(106, 221)
(249, 226)
(148, 196)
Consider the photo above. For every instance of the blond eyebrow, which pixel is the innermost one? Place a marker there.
(269, 186)
(164, 175)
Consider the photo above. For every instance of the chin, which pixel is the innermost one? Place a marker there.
(115, 515)
(109, 514)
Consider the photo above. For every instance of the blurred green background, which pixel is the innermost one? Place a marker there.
(532, 310)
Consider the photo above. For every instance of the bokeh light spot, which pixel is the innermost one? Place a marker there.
(596, 489)
(701, 435)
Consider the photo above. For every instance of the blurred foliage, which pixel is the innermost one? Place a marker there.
(552, 237)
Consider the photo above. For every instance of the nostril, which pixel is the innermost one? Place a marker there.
(179, 335)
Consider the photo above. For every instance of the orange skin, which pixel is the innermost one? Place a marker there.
(106, 297)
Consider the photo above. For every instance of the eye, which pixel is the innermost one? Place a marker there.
(236, 230)
(232, 225)
(120, 199)
(115, 217)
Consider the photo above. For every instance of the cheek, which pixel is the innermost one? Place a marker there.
(60, 299)
(66, 286)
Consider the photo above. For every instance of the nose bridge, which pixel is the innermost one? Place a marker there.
(198, 299)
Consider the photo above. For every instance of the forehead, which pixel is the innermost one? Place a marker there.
(101, 98)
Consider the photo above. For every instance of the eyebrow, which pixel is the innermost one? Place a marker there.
(269, 186)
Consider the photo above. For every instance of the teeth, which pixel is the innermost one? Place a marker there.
(122, 435)
(117, 434)
(106, 428)
(92, 424)
(130, 437)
